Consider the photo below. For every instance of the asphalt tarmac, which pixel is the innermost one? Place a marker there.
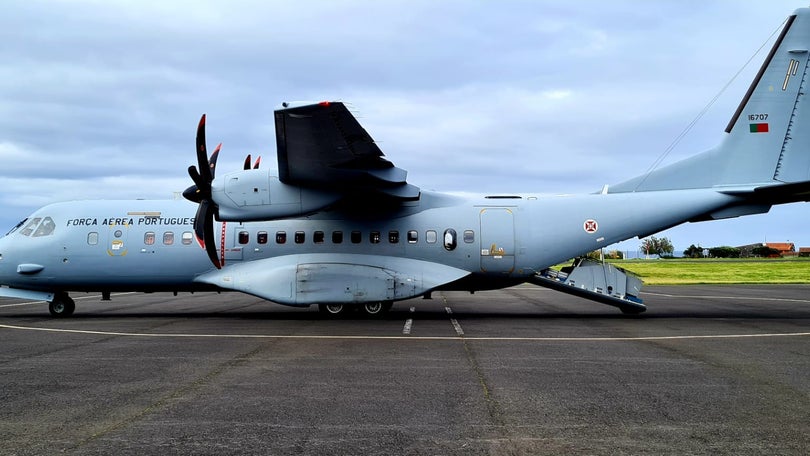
(526, 370)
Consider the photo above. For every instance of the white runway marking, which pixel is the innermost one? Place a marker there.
(408, 323)
(454, 322)
(438, 338)
(747, 298)
(22, 304)
(75, 299)
(407, 328)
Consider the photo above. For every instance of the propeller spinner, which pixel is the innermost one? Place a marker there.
(200, 193)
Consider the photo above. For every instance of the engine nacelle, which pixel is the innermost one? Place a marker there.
(253, 194)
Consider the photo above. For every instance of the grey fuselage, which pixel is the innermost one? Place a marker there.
(142, 245)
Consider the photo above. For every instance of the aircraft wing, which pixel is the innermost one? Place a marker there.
(323, 146)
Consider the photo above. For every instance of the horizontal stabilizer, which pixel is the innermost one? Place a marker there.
(776, 194)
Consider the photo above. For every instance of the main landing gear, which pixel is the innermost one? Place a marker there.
(61, 306)
(370, 309)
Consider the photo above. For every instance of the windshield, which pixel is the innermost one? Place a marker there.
(35, 227)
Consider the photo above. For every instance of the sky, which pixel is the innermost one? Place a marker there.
(100, 99)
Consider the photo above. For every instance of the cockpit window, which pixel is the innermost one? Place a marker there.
(45, 228)
(37, 227)
(30, 227)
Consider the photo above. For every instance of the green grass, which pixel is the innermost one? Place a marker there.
(719, 271)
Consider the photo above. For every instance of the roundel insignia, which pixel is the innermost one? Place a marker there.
(590, 226)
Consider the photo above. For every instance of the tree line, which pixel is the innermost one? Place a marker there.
(663, 248)
(728, 252)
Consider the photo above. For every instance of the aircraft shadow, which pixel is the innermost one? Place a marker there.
(742, 314)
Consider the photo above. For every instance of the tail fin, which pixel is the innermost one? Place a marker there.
(768, 140)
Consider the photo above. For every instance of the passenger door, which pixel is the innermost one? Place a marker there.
(497, 240)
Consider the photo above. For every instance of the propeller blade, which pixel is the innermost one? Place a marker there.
(246, 166)
(195, 176)
(199, 221)
(192, 194)
(200, 192)
(212, 162)
(204, 229)
(202, 153)
(258, 160)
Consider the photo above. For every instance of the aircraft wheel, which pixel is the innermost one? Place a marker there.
(61, 306)
(333, 310)
(375, 309)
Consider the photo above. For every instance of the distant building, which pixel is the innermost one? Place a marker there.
(745, 250)
(804, 251)
(784, 248)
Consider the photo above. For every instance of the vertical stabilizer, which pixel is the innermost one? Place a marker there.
(768, 138)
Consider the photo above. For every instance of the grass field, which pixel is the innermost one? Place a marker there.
(719, 271)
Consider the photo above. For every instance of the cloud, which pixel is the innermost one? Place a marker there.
(102, 98)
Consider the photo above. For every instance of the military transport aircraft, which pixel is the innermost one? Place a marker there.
(342, 228)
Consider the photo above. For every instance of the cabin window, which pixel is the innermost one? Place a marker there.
(318, 237)
(337, 237)
(244, 237)
(469, 236)
(149, 238)
(92, 238)
(431, 237)
(450, 241)
(281, 237)
(300, 237)
(261, 237)
(393, 237)
(374, 237)
(45, 228)
(30, 227)
(413, 236)
(187, 237)
(357, 237)
(168, 238)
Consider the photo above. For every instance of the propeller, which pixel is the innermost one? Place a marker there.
(200, 192)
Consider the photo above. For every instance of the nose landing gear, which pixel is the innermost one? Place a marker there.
(61, 306)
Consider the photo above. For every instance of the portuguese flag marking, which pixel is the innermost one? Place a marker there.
(759, 127)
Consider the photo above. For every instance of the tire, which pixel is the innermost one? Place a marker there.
(61, 306)
(374, 309)
(333, 310)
